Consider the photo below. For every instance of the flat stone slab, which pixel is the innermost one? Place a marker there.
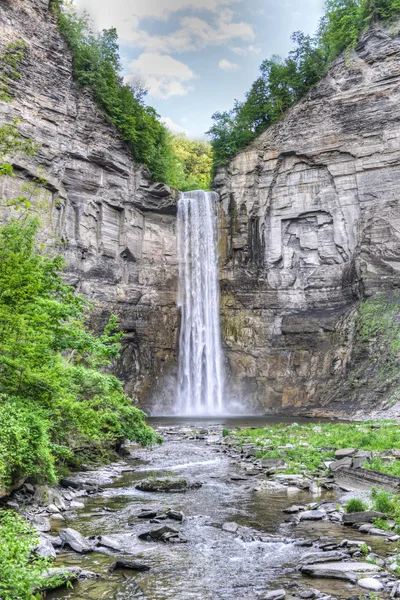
(349, 571)
(365, 516)
(312, 515)
(344, 452)
(364, 479)
(314, 558)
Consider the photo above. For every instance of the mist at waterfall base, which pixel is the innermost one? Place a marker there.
(201, 389)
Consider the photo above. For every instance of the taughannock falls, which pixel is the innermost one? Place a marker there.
(200, 377)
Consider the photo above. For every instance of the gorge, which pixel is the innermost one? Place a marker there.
(308, 226)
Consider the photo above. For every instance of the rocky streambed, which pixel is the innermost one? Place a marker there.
(196, 518)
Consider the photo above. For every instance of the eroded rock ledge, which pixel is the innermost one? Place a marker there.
(115, 226)
(310, 225)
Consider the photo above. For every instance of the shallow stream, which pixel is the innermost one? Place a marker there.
(214, 564)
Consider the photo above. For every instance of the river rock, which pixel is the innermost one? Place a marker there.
(166, 485)
(366, 516)
(369, 583)
(365, 479)
(274, 595)
(128, 564)
(165, 533)
(322, 557)
(312, 515)
(339, 464)
(41, 523)
(272, 463)
(75, 540)
(77, 505)
(56, 499)
(342, 570)
(294, 509)
(345, 452)
(45, 548)
(175, 515)
(230, 526)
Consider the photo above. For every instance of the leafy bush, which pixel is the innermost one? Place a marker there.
(355, 505)
(226, 432)
(54, 396)
(384, 502)
(21, 571)
(283, 82)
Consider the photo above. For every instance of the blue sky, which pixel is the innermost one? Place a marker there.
(197, 56)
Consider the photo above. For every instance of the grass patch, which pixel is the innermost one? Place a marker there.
(305, 448)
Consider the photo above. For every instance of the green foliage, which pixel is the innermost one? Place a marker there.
(226, 432)
(171, 159)
(355, 505)
(283, 82)
(54, 396)
(10, 60)
(383, 501)
(193, 163)
(21, 571)
(305, 448)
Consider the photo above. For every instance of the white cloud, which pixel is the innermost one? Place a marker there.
(225, 65)
(192, 34)
(245, 51)
(163, 75)
(172, 126)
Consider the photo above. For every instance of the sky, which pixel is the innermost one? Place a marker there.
(196, 56)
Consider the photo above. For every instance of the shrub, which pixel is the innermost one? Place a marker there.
(21, 571)
(383, 501)
(355, 505)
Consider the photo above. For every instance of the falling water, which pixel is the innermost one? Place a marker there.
(200, 385)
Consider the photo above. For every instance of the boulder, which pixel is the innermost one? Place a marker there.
(175, 515)
(77, 505)
(75, 540)
(369, 583)
(45, 548)
(55, 498)
(42, 524)
(360, 458)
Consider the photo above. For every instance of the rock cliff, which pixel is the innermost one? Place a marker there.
(115, 226)
(310, 225)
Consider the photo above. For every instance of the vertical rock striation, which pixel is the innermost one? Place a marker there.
(311, 224)
(115, 226)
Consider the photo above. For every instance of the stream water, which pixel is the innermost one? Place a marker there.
(214, 564)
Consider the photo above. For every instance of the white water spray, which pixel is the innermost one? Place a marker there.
(200, 382)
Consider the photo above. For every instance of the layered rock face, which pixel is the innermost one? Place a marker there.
(310, 224)
(115, 226)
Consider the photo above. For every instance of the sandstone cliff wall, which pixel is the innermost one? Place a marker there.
(115, 226)
(310, 224)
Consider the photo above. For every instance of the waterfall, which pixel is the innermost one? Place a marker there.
(200, 381)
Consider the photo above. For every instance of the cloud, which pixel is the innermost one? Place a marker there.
(172, 126)
(192, 33)
(245, 51)
(225, 65)
(163, 75)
